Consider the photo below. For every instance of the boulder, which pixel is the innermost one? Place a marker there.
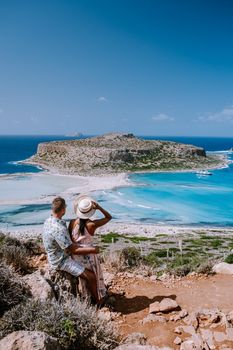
(25, 340)
(39, 287)
(223, 268)
(154, 307)
(168, 304)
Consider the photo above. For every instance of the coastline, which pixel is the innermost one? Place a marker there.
(88, 184)
(131, 230)
(223, 162)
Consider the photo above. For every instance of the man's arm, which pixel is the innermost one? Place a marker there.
(74, 249)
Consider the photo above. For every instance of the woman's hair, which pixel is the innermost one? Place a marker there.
(82, 224)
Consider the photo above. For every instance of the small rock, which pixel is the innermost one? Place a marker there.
(207, 336)
(197, 339)
(153, 278)
(25, 340)
(188, 345)
(178, 330)
(192, 320)
(153, 318)
(220, 336)
(182, 314)
(108, 278)
(230, 334)
(223, 268)
(230, 317)
(136, 338)
(140, 347)
(167, 304)
(154, 307)
(188, 329)
(177, 341)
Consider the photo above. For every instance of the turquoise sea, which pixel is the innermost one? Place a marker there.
(161, 198)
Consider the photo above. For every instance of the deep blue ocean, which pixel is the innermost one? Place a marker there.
(15, 148)
(161, 198)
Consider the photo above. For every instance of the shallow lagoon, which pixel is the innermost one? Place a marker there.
(160, 198)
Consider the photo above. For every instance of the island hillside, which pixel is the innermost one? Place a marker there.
(115, 152)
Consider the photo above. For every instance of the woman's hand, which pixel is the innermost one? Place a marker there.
(95, 205)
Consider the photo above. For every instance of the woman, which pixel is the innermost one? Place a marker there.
(82, 231)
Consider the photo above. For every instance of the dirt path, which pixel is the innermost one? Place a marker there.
(191, 293)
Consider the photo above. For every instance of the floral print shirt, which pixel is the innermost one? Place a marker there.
(56, 239)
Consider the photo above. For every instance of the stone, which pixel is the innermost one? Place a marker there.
(192, 320)
(25, 340)
(188, 345)
(177, 341)
(188, 329)
(178, 330)
(198, 341)
(181, 314)
(39, 287)
(168, 304)
(153, 318)
(230, 317)
(154, 307)
(108, 278)
(220, 336)
(141, 347)
(229, 334)
(223, 268)
(62, 283)
(153, 278)
(136, 338)
(207, 336)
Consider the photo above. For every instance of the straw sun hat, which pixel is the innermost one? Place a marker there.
(83, 207)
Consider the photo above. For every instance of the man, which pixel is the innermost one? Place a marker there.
(59, 247)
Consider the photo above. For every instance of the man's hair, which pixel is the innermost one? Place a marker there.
(58, 204)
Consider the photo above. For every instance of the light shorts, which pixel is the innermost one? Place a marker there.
(72, 266)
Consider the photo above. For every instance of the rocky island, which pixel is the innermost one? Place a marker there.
(119, 152)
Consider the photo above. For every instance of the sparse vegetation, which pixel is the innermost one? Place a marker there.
(229, 259)
(75, 324)
(130, 257)
(12, 290)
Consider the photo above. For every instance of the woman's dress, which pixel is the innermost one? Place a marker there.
(90, 261)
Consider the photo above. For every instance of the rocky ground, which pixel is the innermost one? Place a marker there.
(152, 304)
(192, 312)
(117, 153)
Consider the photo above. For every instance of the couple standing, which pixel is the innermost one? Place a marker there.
(72, 250)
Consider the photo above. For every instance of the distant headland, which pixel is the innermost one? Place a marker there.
(120, 152)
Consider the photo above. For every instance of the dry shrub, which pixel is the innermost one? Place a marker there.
(12, 290)
(17, 253)
(120, 260)
(130, 257)
(76, 325)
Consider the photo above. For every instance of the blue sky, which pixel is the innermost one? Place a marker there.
(162, 67)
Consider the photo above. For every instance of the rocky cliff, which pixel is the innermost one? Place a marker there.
(113, 153)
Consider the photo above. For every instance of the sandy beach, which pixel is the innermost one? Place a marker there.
(43, 187)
